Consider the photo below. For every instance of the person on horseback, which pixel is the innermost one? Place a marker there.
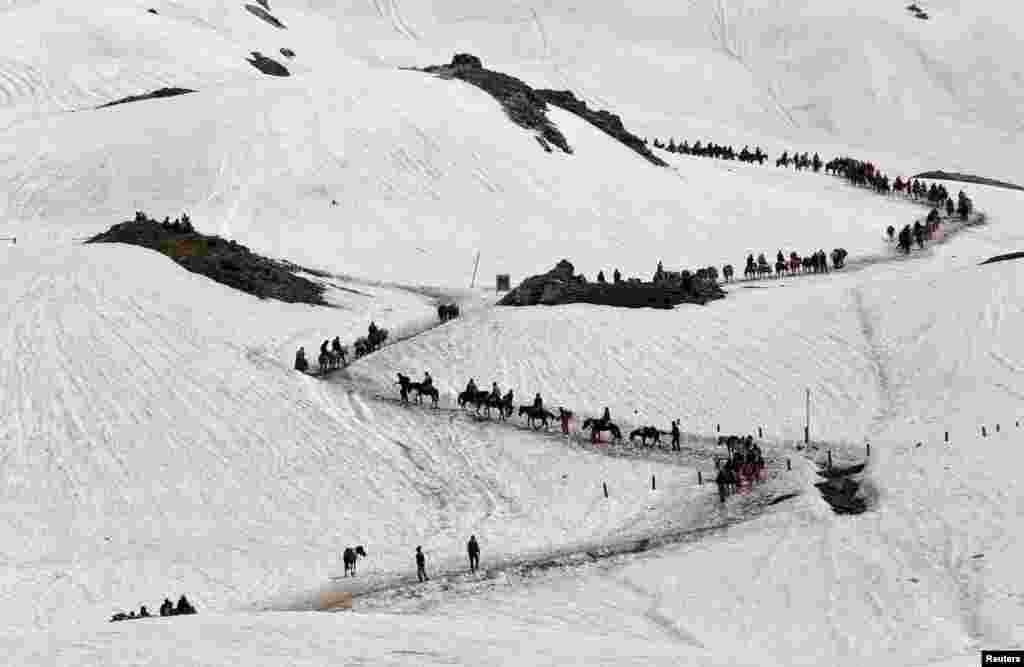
(336, 346)
(301, 364)
(427, 380)
(607, 416)
(538, 402)
(600, 277)
(617, 277)
(750, 261)
(471, 387)
(780, 258)
(495, 392)
(323, 348)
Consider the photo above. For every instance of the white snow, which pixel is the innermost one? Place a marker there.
(155, 441)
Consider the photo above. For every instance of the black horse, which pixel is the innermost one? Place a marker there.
(598, 426)
(534, 414)
(644, 433)
(406, 385)
(350, 556)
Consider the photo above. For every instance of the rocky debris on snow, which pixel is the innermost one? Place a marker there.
(968, 178)
(1003, 258)
(261, 12)
(287, 53)
(226, 262)
(605, 121)
(841, 490)
(160, 92)
(267, 65)
(560, 286)
(521, 103)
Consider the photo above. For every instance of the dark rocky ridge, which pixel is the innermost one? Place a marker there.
(226, 262)
(560, 286)
(527, 107)
(605, 121)
(261, 12)
(160, 92)
(841, 490)
(521, 103)
(267, 65)
(967, 178)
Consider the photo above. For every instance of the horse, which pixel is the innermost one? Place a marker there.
(750, 272)
(421, 390)
(479, 399)
(839, 257)
(534, 414)
(731, 442)
(503, 405)
(646, 432)
(598, 426)
(350, 556)
(794, 263)
(763, 270)
(727, 273)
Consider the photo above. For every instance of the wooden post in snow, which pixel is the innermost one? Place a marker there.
(476, 265)
(807, 420)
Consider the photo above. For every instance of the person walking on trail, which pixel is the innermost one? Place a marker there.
(421, 565)
(675, 436)
(565, 416)
(473, 548)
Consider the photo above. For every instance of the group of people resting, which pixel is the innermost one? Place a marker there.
(329, 351)
(166, 609)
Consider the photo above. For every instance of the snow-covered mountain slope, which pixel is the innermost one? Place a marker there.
(155, 408)
(155, 440)
(427, 172)
(895, 355)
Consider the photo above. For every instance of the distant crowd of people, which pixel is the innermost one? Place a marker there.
(181, 225)
(334, 355)
(710, 149)
(168, 608)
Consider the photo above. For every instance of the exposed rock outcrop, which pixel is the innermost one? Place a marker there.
(605, 121)
(521, 103)
(160, 92)
(262, 13)
(561, 286)
(227, 262)
(267, 65)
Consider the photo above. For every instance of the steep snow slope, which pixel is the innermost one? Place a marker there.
(896, 354)
(417, 194)
(154, 440)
